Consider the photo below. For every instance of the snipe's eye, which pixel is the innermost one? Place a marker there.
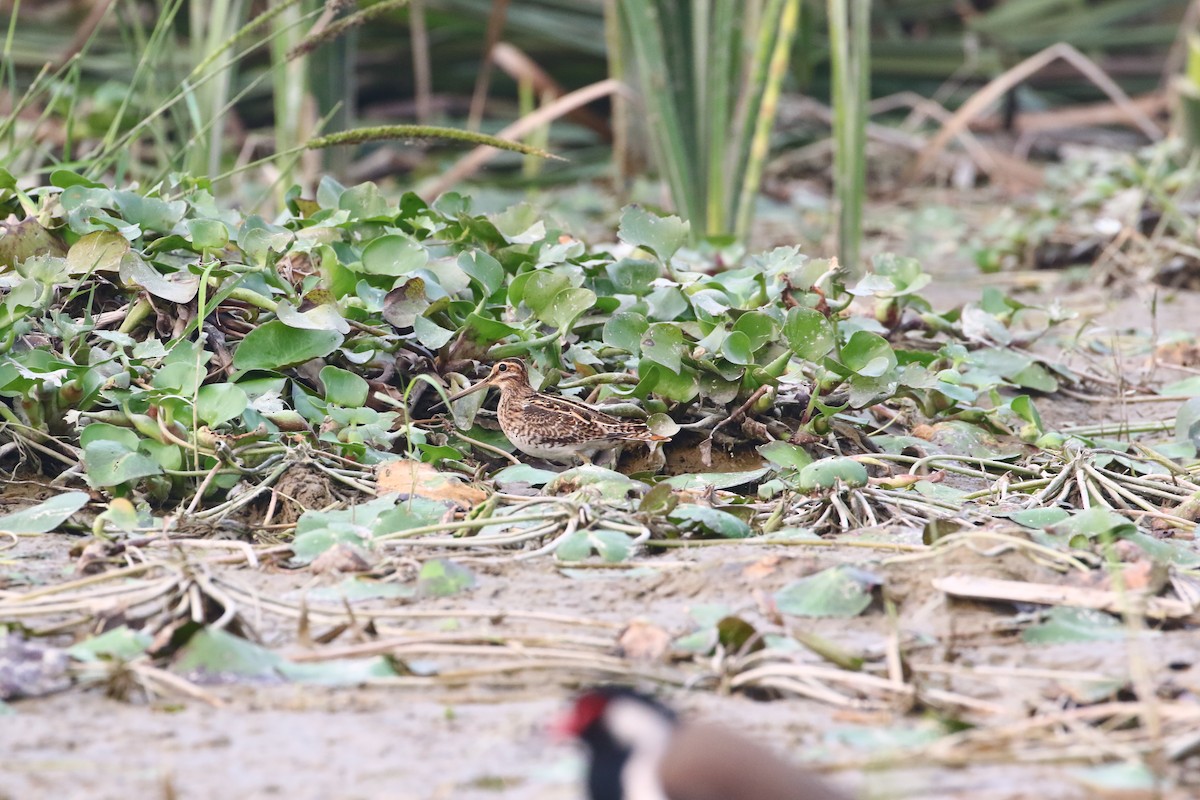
(503, 367)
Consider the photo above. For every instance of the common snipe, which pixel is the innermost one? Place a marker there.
(553, 427)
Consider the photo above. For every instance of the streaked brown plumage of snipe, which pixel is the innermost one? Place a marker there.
(551, 426)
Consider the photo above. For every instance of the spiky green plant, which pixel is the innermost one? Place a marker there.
(710, 73)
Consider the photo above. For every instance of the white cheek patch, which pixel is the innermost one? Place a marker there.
(647, 735)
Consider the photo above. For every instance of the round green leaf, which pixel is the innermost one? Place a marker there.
(760, 328)
(542, 287)
(809, 333)
(483, 269)
(830, 472)
(220, 402)
(868, 354)
(709, 520)
(442, 578)
(274, 345)
(99, 251)
(430, 334)
(736, 348)
(783, 454)
(1065, 624)
(110, 463)
(663, 235)
(663, 344)
(624, 330)
(835, 592)
(209, 234)
(344, 387)
(566, 307)
(633, 275)
(393, 254)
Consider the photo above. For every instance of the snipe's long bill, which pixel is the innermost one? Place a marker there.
(551, 426)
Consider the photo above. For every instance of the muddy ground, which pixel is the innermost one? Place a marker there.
(486, 738)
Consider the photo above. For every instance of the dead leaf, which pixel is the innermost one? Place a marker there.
(761, 568)
(405, 476)
(643, 641)
(925, 432)
(342, 557)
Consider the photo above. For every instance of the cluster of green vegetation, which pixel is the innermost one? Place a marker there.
(182, 335)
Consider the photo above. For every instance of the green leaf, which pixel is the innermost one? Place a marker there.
(364, 202)
(1064, 624)
(542, 287)
(1039, 517)
(663, 235)
(659, 500)
(716, 480)
(523, 473)
(99, 251)
(442, 578)
(274, 345)
(344, 387)
(831, 472)
(415, 512)
(835, 592)
(612, 546)
(178, 287)
(430, 334)
(45, 516)
(356, 590)
(111, 463)
(394, 255)
(1094, 523)
(809, 333)
(483, 269)
(663, 344)
(633, 275)
(783, 454)
(575, 547)
(1036, 377)
(735, 634)
(323, 317)
(208, 234)
(736, 349)
(868, 354)
(760, 328)
(217, 403)
(680, 388)
(62, 178)
(101, 431)
(1126, 779)
(1189, 387)
(118, 644)
(709, 520)
(486, 330)
(566, 306)
(150, 213)
(312, 543)
(624, 330)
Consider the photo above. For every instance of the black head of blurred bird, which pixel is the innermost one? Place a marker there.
(640, 750)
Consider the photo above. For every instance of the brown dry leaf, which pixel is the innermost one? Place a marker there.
(762, 568)
(1185, 354)
(342, 557)
(643, 641)
(405, 476)
(925, 432)
(1138, 576)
